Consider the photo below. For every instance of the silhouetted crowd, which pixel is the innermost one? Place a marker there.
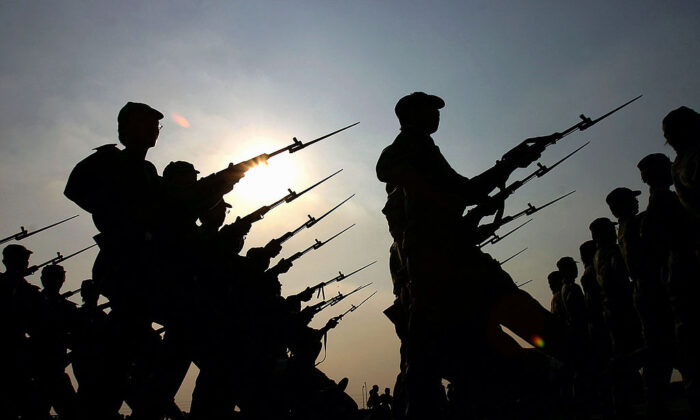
(165, 259)
(637, 310)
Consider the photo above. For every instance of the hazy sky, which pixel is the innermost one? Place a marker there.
(248, 76)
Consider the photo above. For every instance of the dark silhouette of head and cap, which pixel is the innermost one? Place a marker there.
(419, 111)
(681, 128)
(603, 230)
(180, 173)
(555, 280)
(655, 170)
(567, 267)
(623, 202)
(587, 252)
(52, 278)
(138, 125)
(15, 257)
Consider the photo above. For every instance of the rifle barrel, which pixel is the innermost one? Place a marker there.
(23, 233)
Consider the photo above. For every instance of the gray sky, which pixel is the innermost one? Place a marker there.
(247, 76)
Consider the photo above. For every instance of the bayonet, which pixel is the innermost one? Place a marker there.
(496, 238)
(339, 277)
(56, 260)
(318, 244)
(291, 196)
(474, 215)
(24, 233)
(523, 284)
(513, 256)
(353, 308)
(309, 223)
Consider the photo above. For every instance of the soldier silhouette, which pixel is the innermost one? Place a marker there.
(20, 303)
(681, 128)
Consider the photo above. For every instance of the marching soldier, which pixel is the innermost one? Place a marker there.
(681, 128)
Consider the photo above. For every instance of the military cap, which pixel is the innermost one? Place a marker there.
(601, 223)
(417, 100)
(178, 168)
(132, 109)
(654, 160)
(682, 116)
(565, 260)
(620, 194)
(15, 250)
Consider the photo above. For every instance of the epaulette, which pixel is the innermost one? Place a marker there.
(106, 148)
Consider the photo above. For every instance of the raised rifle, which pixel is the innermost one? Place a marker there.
(233, 170)
(495, 238)
(312, 310)
(540, 143)
(488, 231)
(312, 221)
(318, 244)
(333, 322)
(512, 256)
(71, 293)
(291, 196)
(24, 233)
(474, 215)
(55, 260)
(340, 277)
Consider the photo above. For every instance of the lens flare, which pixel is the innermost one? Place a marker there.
(537, 341)
(180, 120)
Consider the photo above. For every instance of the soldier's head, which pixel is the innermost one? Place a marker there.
(52, 278)
(419, 111)
(681, 128)
(587, 252)
(89, 292)
(138, 126)
(16, 258)
(387, 391)
(603, 231)
(623, 202)
(655, 170)
(394, 211)
(180, 173)
(214, 216)
(567, 268)
(555, 281)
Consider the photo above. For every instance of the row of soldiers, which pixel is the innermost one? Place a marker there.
(636, 308)
(452, 299)
(221, 310)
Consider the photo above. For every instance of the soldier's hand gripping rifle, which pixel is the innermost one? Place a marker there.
(24, 233)
(285, 263)
(233, 173)
(494, 203)
(340, 277)
(308, 313)
(486, 232)
(59, 258)
(534, 146)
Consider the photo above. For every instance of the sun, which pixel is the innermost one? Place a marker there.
(267, 182)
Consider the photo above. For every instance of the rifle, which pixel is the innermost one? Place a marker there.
(541, 143)
(339, 277)
(318, 307)
(293, 195)
(312, 221)
(23, 233)
(318, 244)
(512, 256)
(71, 293)
(474, 215)
(496, 238)
(352, 308)
(55, 260)
(232, 170)
(489, 230)
(333, 322)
